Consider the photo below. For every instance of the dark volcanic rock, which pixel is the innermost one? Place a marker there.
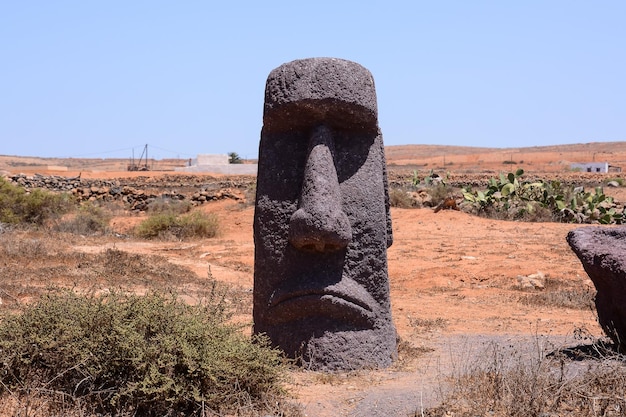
(602, 251)
(322, 224)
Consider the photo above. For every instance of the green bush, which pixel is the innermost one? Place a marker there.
(36, 207)
(146, 355)
(512, 197)
(167, 225)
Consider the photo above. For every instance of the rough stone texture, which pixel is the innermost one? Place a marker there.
(602, 251)
(322, 224)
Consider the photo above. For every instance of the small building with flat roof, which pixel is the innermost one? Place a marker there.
(597, 167)
(217, 164)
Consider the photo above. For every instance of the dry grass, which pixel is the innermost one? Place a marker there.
(408, 354)
(33, 261)
(398, 197)
(427, 325)
(561, 294)
(34, 264)
(537, 382)
(88, 220)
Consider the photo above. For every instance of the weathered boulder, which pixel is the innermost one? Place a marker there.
(602, 251)
(322, 224)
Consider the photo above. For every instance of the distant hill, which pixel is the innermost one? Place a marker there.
(536, 158)
(549, 158)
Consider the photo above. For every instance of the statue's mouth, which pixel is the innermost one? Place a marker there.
(345, 301)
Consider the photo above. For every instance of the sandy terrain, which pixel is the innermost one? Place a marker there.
(454, 287)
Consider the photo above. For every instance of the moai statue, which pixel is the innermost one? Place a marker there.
(322, 224)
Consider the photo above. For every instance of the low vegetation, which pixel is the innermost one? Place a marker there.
(561, 294)
(505, 383)
(35, 207)
(87, 350)
(89, 219)
(400, 198)
(121, 354)
(171, 226)
(169, 206)
(428, 191)
(512, 197)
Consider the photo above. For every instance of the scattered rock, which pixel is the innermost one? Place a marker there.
(534, 281)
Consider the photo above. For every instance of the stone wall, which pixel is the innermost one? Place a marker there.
(137, 193)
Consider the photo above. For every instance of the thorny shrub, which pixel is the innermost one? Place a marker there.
(122, 354)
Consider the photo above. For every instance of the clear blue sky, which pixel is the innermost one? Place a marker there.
(101, 78)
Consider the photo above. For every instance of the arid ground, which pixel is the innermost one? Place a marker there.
(458, 282)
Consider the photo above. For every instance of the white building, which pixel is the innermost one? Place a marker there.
(217, 164)
(600, 167)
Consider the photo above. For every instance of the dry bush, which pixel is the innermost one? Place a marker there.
(408, 353)
(398, 197)
(90, 219)
(439, 192)
(504, 383)
(561, 294)
(249, 194)
(537, 214)
(17, 206)
(30, 262)
(122, 354)
(170, 226)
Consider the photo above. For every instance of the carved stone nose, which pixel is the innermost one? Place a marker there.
(320, 224)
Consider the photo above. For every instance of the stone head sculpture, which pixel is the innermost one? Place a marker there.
(322, 224)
